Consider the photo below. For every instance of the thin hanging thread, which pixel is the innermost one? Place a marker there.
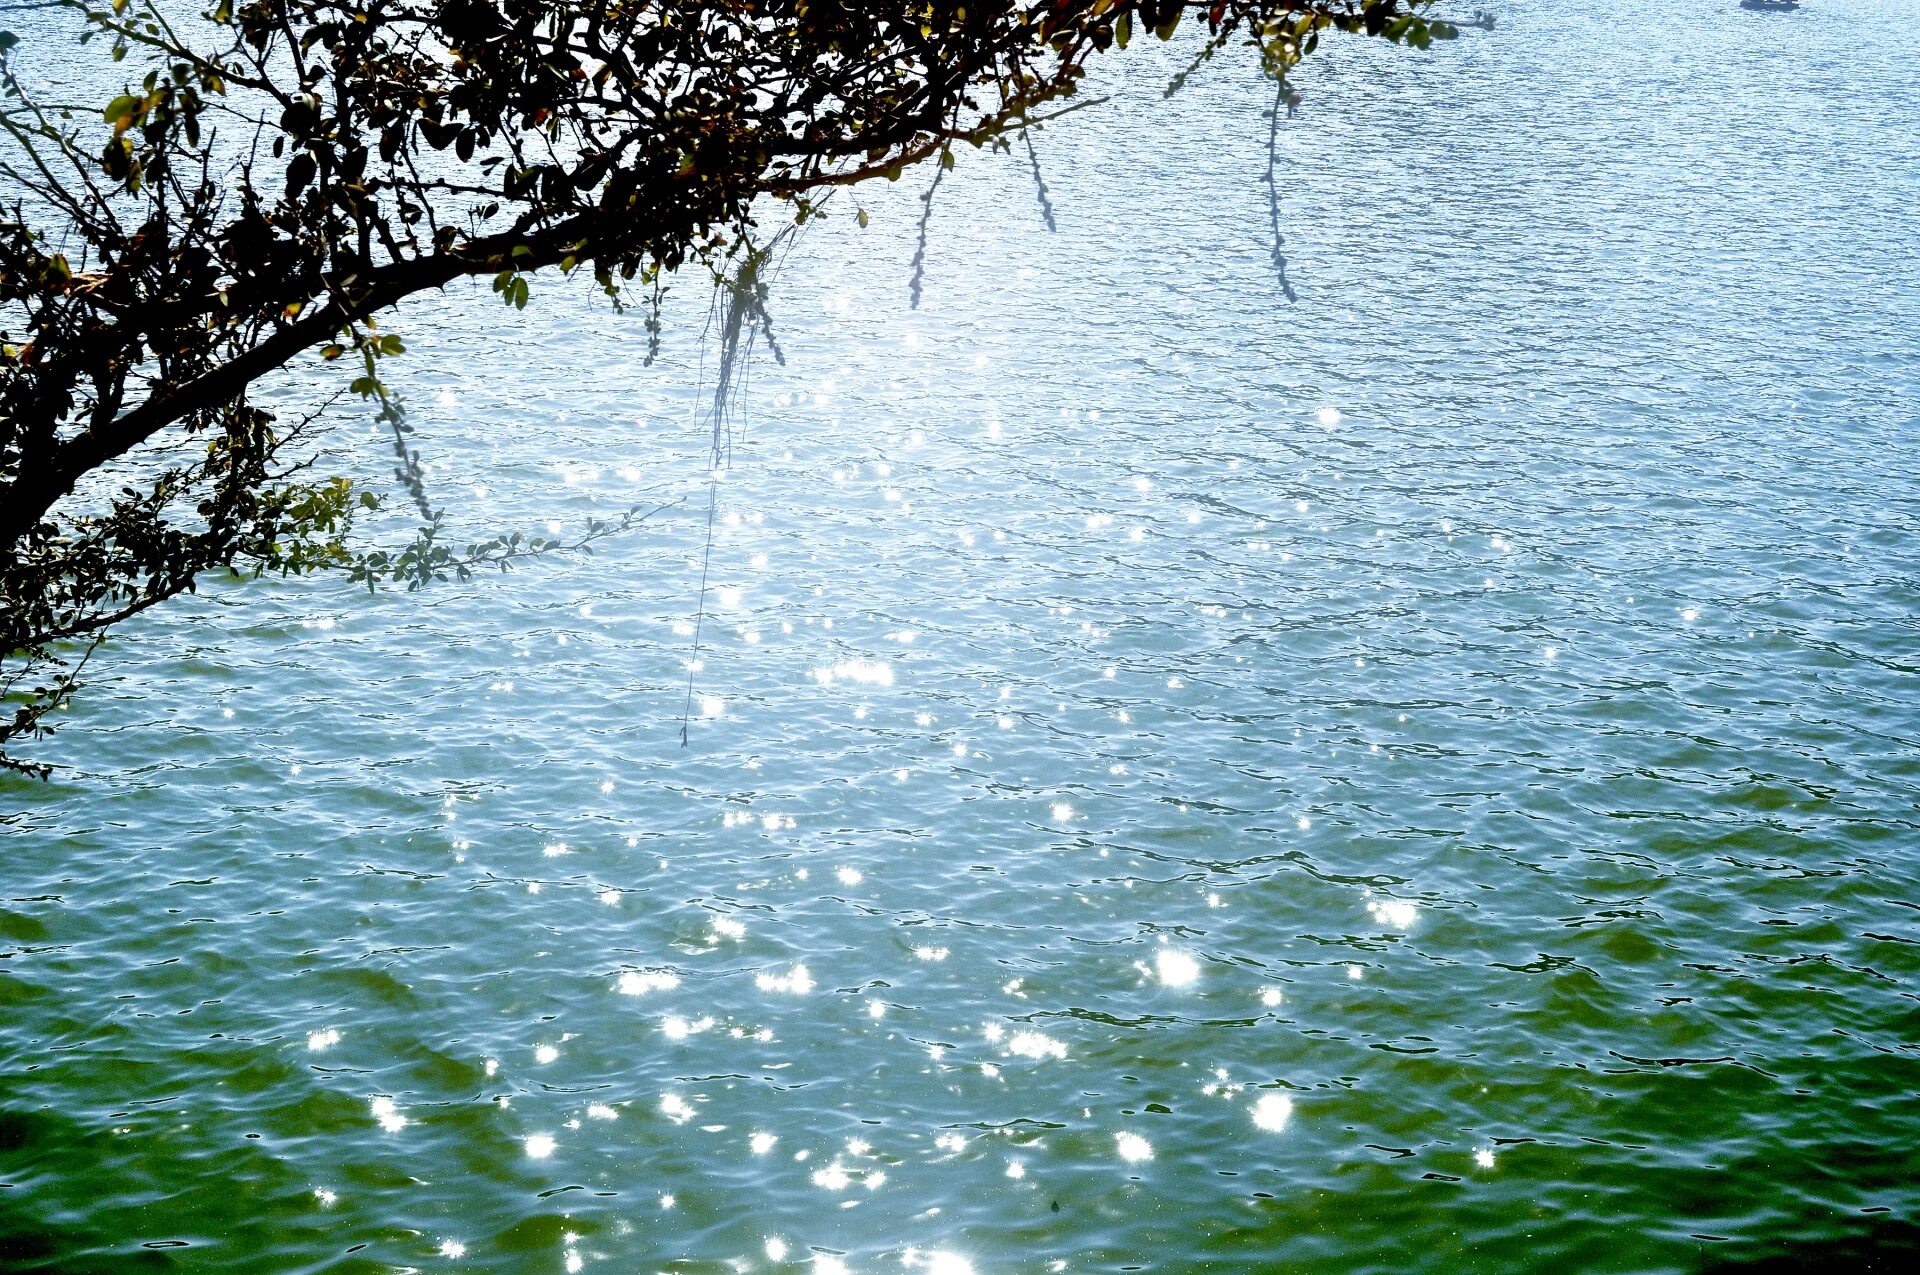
(745, 315)
(700, 616)
(706, 557)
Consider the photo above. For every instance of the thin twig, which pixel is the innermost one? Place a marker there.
(920, 252)
(1283, 97)
(1039, 183)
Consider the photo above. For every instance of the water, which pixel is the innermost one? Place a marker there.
(1420, 779)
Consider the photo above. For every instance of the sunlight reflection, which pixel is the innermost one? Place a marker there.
(638, 982)
(797, 981)
(1033, 1044)
(1395, 914)
(388, 1114)
(1175, 967)
(678, 1028)
(859, 672)
(1272, 1111)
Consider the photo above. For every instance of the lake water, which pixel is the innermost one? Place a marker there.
(1423, 778)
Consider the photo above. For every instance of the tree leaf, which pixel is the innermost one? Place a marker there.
(300, 170)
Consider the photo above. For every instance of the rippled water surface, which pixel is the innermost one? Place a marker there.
(1419, 779)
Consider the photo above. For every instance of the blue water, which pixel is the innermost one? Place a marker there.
(1421, 778)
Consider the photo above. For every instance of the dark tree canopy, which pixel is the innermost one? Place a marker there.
(275, 174)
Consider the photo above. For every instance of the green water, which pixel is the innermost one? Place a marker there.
(1419, 779)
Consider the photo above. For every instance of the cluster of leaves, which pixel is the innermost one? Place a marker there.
(283, 171)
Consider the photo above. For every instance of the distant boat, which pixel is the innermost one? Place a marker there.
(1770, 6)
